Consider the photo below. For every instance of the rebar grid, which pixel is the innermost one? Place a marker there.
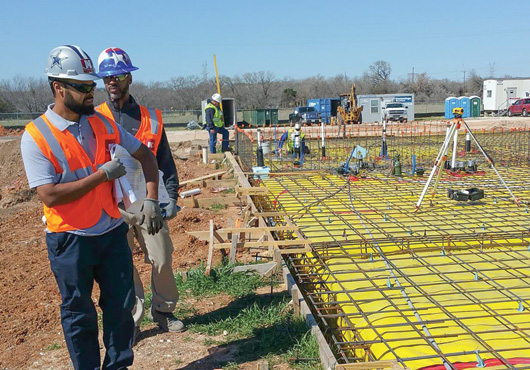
(369, 250)
(417, 144)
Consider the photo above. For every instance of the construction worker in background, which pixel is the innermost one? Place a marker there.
(294, 140)
(215, 123)
(115, 67)
(67, 160)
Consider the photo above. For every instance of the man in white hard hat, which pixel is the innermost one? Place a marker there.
(66, 154)
(215, 123)
(294, 140)
(115, 67)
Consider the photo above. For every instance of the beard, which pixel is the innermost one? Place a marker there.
(118, 95)
(78, 108)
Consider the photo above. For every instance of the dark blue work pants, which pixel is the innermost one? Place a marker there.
(76, 262)
(213, 138)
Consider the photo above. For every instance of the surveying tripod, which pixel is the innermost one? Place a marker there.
(452, 134)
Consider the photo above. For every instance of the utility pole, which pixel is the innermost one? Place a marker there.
(464, 81)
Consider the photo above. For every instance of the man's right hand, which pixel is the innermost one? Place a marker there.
(213, 131)
(113, 169)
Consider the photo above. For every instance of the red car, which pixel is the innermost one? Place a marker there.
(521, 106)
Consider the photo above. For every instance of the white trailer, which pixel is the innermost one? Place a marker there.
(499, 94)
(373, 105)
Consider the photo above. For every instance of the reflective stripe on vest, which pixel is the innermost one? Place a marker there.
(151, 125)
(150, 130)
(217, 120)
(290, 138)
(71, 161)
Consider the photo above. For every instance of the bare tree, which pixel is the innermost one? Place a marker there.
(379, 71)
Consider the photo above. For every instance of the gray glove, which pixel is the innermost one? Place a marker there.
(152, 216)
(170, 210)
(113, 169)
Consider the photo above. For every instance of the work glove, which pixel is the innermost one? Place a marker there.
(170, 210)
(151, 216)
(113, 169)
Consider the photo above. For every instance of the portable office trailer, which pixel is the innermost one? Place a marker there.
(373, 105)
(499, 94)
(229, 111)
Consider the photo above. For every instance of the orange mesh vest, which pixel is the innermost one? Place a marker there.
(150, 130)
(71, 161)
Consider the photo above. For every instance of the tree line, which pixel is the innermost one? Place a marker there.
(252, 90)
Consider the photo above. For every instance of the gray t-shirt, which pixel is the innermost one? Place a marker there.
(40, 171)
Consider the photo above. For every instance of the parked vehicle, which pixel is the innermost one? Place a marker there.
(304, 115)
(519, 107)
(395, 112)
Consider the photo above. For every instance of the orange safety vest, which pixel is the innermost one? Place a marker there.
(73, 163)
(150, 130)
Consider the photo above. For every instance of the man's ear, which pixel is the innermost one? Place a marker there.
(59, 88)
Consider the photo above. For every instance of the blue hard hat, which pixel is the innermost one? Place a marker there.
(114, 61)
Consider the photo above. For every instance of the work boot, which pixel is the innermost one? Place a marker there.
(167, 321)
(227, 150)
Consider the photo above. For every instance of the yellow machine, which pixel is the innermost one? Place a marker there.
(348, 112)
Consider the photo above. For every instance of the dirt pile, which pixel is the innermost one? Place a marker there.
(5, 132)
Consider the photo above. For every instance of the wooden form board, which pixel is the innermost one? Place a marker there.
(374, 365)
(215, 175)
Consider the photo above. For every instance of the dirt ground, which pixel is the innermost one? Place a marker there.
(30, 331)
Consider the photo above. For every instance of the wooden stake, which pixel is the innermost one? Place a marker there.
(210, 250)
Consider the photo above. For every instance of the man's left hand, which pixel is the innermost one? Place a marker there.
(152, 216)
(170, 211)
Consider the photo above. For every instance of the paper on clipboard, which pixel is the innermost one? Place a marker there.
(133, 189)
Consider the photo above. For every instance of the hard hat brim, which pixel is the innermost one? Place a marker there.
(116, 72)
(77, 77)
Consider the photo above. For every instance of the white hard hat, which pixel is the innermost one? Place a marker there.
(297, 126)
(217, 97)
(70, 61)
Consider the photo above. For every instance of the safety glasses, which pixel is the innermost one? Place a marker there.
(82, 88)
(118, 78)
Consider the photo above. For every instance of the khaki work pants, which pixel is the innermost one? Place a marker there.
(157, 250)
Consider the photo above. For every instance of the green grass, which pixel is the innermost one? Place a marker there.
(231, 366)
(305, 353)
(222, 279)
(257, 326)
(178, 362)
(52, 347)
(261, 327)
(216, 207)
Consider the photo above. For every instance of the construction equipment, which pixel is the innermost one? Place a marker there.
(441, 159)
(348, 112)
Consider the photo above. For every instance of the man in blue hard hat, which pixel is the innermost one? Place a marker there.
(115, 67)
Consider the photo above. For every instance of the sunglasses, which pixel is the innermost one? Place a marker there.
(118, 78)
(82, 88)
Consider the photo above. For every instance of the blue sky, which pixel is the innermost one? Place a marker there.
(289, 38)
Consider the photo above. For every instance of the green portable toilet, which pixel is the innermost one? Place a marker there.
(476, 104)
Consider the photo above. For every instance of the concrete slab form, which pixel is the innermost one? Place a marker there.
(447, 287)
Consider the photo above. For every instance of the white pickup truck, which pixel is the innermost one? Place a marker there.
(395, 112)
